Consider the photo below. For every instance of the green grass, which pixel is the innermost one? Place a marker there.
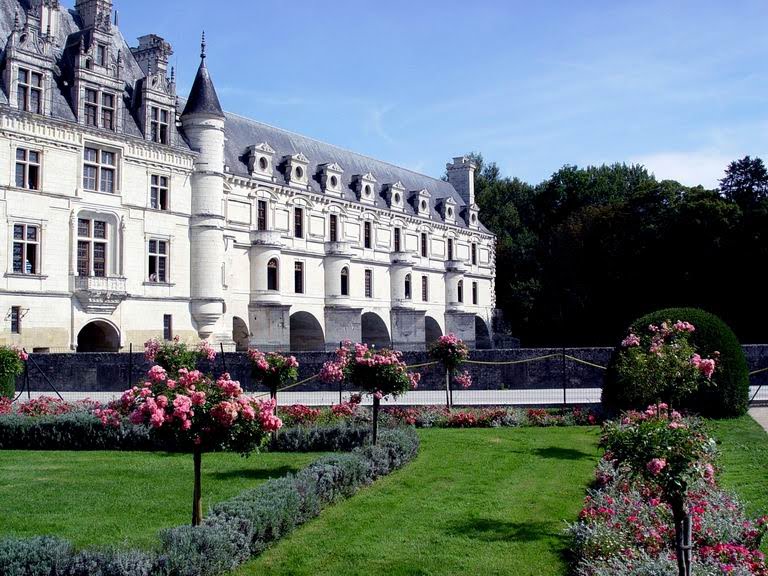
(475, 502)
(121, 498)
(743, 458)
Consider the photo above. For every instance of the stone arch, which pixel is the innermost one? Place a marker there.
(306, 333)
(432, 330)
(98, 336)
(373, 331)
(240, 334)
(482, 334)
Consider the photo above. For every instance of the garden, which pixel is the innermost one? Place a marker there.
(188, 474)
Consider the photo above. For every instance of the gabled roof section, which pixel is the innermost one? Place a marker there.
(203, 98)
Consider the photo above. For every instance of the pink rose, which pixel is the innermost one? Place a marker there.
(656, 465)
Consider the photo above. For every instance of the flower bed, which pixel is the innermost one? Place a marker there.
(626, 527)
(235, 529)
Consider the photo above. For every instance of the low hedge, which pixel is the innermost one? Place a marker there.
(730, 395)
(234, 530)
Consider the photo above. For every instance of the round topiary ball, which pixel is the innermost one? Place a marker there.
(727, 398)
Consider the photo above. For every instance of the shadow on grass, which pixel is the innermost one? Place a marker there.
(255, 473)
(563, 454)
(487, 530)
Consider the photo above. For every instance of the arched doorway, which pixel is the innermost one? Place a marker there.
(373, 331)
(482, 335)
(306, 333)
(240, 334)
(98, 336)
(431, 330)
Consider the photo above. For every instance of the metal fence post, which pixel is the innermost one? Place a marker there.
(223, 360)
(130, 364)
(565, 377)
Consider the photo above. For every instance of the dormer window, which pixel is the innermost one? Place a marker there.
(101, 55)
(263, 164)
(159, 122)
(330, 178)
(99, 109)
(260, 160)
(421, 203)
(394, 194)
(365, 186)
(30, 91)
(296, 169)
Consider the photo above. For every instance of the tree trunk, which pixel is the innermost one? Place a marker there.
(682, 538)
(197, 494)
(273, 395)
(448, 392)
(375, 419)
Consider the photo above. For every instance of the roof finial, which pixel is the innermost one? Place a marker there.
(16, 21)
(173, 74)
(202, 46)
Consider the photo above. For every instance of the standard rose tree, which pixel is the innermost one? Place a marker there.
(175, 354)
(452, 352)
(273, 370)
(379, 373)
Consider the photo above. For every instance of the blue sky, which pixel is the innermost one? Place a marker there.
(681, 87)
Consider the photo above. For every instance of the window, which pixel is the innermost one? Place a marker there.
(298, 277)
(397, 239)
(460, 290)
(92, 247)
(30, 91)
(424, 244)
(158, 197)
(407, 286)
(369, 283)
(367, 234)
(474, 254)
(99, 169)
(158, 124)
(27, 169)
(474, 292)
(424, 289)
(15, 319)
(158, 260)
(298, 222)
(26, 248)
(334, 228)
(99, 107)
(450, 249)
(167, 327)
(272, 274)
(261, 217)
(101, 55)
(345, 281)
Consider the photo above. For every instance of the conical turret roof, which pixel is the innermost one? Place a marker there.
(203, 98)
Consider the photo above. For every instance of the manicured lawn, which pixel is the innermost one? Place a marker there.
(124, 498)
(475, 502)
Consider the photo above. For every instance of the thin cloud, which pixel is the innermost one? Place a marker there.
(705, 167)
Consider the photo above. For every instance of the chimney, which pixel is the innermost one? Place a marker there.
(461, 175)
(152, 54)
(95, 13)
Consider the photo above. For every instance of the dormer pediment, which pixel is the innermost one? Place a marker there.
(421, 202)
(296, 169)
(394, 194)
(365, 187)
(330, 178)
(448, 210)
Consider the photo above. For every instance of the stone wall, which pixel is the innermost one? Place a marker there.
(110, 372)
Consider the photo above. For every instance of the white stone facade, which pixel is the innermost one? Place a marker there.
(208, 225)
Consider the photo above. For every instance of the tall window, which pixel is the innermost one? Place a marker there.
(158, 124)
(367, 234)
(474, 253)
(167, 327)
(272, 274)
(26, 248)
(158, 260)
(99, 170)
(450, 249)
(158, 196)
(369, 283)
(460, 290)
(424, 244)
(99, 107)
(407, 286)
(91, 247)
(397, 239)
(30, 91)
(15, 319)
(261, 217)
(345, 281)
(298, 277)
(474, 292)
(27, 169)
(424, 289)
(108, 111)
(333, 226)
(91, 107)
(298, 222)
(101, 55)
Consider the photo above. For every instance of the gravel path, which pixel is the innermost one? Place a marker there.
(761, 416)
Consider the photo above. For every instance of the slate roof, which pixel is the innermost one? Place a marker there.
(202, 96)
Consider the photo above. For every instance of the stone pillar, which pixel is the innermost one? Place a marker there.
(270, 324)
(462, 324)
(408, 329)
(342, 323)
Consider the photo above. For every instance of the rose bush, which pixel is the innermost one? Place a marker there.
(12, 359)
(451, 352)
(173, 355)
(273, 369)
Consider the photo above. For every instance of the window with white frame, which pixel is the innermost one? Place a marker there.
(29, 91)
(158, 192)
(158, 124)
(16, 317)
(26, 249)
(272, 274)
(473, 249)
(167, 327)
(345, 281)
(158, 260)
(424, 244)
(99, 170)
(397, 239)
(407, 287)
(27, 169)
(298, 277)
(460, 290)
(333, 228)
(92, 244)
(450, 249)
(101, 55)
(474, 293)
(298, 222)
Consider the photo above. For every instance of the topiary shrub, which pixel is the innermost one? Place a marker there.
(729, 395)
